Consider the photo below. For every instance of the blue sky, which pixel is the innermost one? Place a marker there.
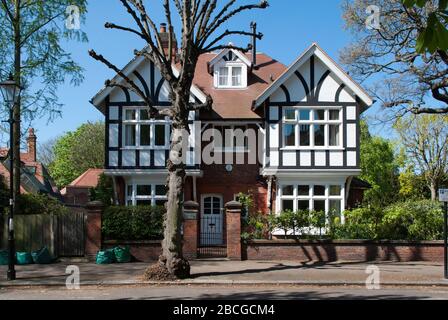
(289, 27)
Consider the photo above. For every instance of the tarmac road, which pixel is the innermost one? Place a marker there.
(223, 292)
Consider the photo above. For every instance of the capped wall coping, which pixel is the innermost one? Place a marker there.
(132, 242)
(191, 205)
(234, 205)
(360, 242)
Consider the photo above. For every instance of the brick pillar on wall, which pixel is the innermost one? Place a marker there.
(93, 228)
(233, 223)
(190, 235)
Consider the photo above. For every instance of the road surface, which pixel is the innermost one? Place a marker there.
(223, 292)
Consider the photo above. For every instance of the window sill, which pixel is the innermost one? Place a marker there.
(144, 148)
(312, 148)
(216, 150)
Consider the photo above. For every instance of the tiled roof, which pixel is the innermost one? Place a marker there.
(87, 179)
(237, 103)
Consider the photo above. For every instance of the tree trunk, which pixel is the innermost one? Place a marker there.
(172, 243)
(433, 186)
(15, 144)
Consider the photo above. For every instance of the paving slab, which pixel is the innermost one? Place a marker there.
(224, 272)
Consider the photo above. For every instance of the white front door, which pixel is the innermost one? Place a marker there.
(212, 220)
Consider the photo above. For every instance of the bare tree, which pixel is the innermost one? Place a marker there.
(46, 151)
(390, 51)
(425, 139)
(201, 22)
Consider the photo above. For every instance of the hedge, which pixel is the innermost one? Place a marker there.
(409, 220)
(133, 223)
(28, 204)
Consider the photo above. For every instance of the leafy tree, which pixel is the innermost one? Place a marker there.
(413, 186)
(104, 191)
(77, 151)
(434, 35)
(407, 78)
(30, 49)
(201, 33)
(379, 167)
(425, 139)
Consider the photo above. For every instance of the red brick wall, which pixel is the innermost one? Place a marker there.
(243, 178)
(344, 251)
(142, 251)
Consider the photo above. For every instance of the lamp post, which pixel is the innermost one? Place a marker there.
(10, 92)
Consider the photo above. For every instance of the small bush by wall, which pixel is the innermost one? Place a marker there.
(28, 204)
(133, 223)
(410, 220)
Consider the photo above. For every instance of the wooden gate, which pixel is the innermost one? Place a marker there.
(71, 233)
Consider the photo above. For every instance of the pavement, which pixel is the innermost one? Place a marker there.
(241, 273)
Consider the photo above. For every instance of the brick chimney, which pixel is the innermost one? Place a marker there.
(164, 36)
(31, 143)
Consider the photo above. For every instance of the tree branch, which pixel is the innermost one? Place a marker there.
(132, 86)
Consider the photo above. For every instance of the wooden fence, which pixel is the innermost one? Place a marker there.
(63, 235)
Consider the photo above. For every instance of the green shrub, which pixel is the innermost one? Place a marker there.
(317, 219)
(410, 220)
(256, 226)
(28, 204)
(104, 191)
(133, 223)
(413, 220)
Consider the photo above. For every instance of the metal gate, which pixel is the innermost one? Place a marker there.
(211, 242)
(71, 233)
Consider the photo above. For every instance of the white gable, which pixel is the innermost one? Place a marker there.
(148, 78)
(314, 76)
(230, 55)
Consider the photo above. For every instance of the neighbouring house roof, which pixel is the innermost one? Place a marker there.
(88, 179)
(35, 177)
(314, 49)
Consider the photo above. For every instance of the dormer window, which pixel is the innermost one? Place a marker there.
(230, 77)
(230, 69)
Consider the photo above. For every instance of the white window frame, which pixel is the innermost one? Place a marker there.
(312, 122)
(133, 197)
(310, 197)
(230, 65)
(152, 123)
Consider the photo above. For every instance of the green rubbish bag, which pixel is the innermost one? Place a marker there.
(4, 258)
(122, 255)
(24, 258)
(105, 257)
(42, 256)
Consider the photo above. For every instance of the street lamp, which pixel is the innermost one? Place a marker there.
(10, 91)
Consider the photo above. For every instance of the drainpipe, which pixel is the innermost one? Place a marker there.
(347, 189)
(195, 197)
(114, 187)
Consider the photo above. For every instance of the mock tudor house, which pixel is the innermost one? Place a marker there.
(308, 116)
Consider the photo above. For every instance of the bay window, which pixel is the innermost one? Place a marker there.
(318, 197)
(140, 131)
(312, 127)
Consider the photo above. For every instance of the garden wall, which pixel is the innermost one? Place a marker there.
(343, 250)
(142, 251)
(302, 250)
